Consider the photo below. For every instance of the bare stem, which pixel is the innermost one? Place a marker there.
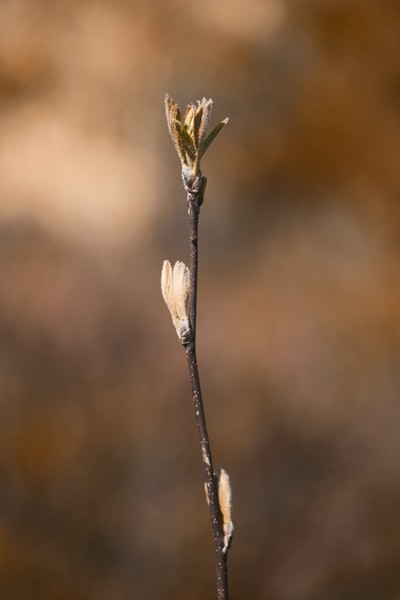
(194, 200)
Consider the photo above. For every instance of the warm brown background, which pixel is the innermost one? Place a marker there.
(101, 491)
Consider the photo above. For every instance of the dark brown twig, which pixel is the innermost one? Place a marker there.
(194, 201)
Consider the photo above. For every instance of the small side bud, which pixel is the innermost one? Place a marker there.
(175, 287)
(225, 505)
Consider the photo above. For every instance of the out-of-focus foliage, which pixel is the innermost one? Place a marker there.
(299, 322)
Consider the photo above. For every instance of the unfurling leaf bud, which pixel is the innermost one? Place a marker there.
(190, 134)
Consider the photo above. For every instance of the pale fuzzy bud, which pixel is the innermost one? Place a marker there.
(175, 287)
(225, 505)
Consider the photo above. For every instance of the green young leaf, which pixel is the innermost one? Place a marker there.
(186, 141)
(207, 109)
(198, 118)
(211, 137)
(173, 114)
(173, 119)
(189, 115)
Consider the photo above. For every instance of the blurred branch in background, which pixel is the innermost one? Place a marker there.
(308, 186)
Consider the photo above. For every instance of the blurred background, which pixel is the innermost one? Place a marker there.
(101, 492)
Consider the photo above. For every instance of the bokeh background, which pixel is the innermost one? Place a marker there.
(101, 492)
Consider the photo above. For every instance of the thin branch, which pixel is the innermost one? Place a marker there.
(194, 201)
